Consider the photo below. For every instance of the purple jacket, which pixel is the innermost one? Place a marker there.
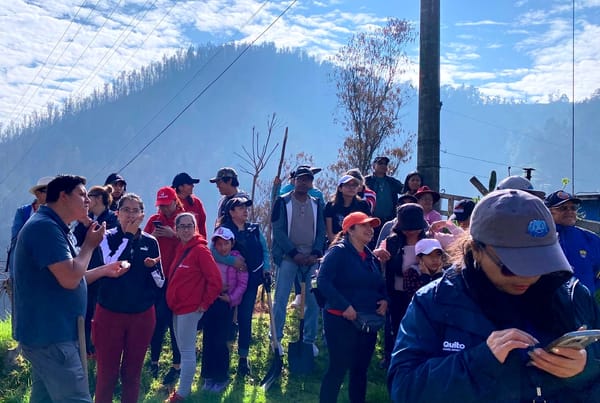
(234, 281)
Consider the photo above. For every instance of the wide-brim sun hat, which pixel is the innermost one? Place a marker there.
(41, 183)
(423, 190)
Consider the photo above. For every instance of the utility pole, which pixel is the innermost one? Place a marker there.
(428, 142)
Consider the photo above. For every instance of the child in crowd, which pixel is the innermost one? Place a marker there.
(430, 265)
(218, 318)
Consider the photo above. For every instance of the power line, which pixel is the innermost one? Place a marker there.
(56, 63)
(480, 159)
(108, 55)
(35, 142)
(207, 87)
(494, 125)
(176, 95)
(47, 58)
(466, 172)
(87, 47)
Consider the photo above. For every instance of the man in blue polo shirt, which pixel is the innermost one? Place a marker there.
(51, 292)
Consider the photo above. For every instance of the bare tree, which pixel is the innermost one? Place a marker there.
(368, 74)
(257, 157)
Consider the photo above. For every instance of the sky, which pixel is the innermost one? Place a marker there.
(518, 50)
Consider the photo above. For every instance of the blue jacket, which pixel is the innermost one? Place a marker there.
(346, 279)
(582, 249)
(441, 353)
(280, 222)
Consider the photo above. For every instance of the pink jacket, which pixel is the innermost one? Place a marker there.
(234, 281)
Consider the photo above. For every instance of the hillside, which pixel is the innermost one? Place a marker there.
(102, 133)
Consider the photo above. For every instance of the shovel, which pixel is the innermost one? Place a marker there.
(277, 363)
(300, 354)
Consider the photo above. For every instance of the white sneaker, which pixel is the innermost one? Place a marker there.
(296, 302)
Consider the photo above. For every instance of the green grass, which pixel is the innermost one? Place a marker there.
(15, 383)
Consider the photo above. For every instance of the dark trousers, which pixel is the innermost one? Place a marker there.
(215, 353)
(245, 310)
(92, 297)
(399, 301)
(350, 350)
(164, 321)
(121, 341)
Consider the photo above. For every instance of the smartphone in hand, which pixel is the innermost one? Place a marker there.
(578, 339)
(157, 224)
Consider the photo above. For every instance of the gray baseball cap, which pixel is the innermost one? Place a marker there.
(519, 183)
(521, 230)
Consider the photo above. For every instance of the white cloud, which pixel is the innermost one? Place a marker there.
(479, 23)
(141, 34)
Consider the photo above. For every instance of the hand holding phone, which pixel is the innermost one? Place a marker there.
(578, 339)
(157, 224)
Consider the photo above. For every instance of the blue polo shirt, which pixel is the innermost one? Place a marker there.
(44, 311)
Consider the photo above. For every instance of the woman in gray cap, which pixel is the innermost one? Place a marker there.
(478, 333)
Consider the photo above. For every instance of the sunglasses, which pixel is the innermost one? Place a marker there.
(42, 190)
(503, 268)
(563, 208)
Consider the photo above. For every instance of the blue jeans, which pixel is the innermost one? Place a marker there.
(57, 374)
(286, 273)
(186, 331)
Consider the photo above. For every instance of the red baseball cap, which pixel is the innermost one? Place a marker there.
(358, 217)
(165, 196)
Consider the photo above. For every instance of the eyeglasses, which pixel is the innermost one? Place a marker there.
(42, 190)
(130, 210)
(186, 226)
(503, 268)
(567, 207)
(350, 184)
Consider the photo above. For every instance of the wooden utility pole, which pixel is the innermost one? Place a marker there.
(428, 143)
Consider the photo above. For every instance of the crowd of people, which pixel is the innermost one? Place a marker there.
(465, 304)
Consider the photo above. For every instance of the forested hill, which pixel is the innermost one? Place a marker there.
(102, 133)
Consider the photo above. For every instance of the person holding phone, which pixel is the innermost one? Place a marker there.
(162, 226)
(478, 333)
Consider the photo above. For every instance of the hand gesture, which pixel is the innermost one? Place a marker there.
(240, 263)
(164, 231)
(381, 307)
(349, 313)
(116, 269)
(151, 262)
(382, 254)
(300, 259)
(442, 226)
(133, 225)
(95, 234)
(502, 342)
(561, 362)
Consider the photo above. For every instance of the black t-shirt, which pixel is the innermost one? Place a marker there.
(337, 212)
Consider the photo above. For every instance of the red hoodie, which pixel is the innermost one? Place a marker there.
(196, 281)
(166, 245)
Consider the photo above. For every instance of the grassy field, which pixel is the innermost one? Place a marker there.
(15, 384)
